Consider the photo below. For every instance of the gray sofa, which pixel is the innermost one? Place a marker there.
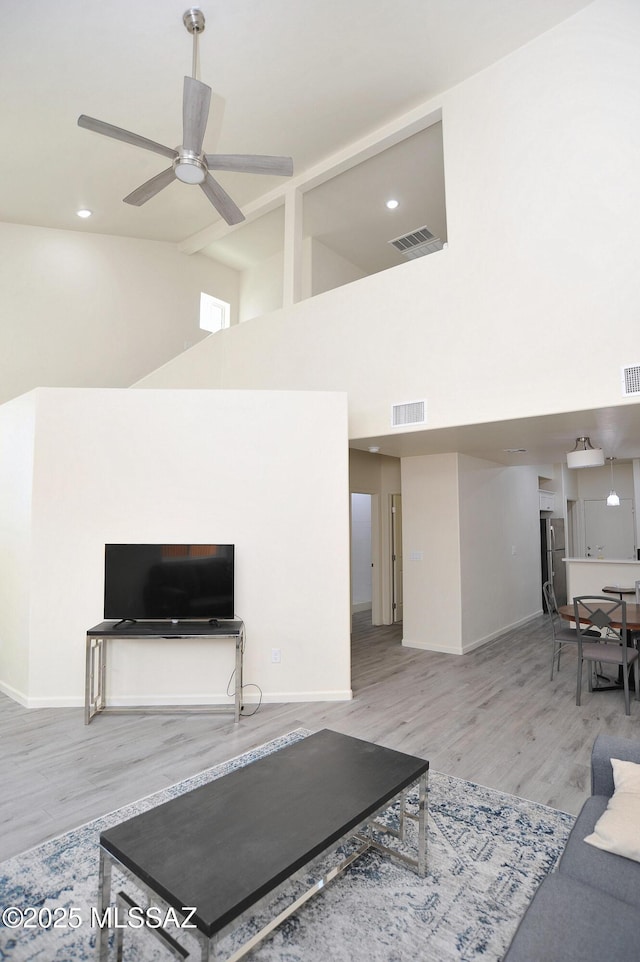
(589, 907)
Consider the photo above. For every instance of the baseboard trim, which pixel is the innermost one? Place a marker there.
(14, 694)
(499, 633)
(472, 645)
(169, 701)
(425, 646)
(297, 696)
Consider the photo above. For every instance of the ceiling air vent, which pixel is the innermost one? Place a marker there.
(631, 379)
(417, 244)
(413, 412)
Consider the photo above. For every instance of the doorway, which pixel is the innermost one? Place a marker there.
(361, 553)
(396, 557)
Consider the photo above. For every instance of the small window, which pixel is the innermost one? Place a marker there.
(214, 313)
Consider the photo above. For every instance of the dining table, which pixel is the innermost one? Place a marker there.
(632, 614)
(632, 625)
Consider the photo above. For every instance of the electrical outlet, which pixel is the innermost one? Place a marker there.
(275, 656)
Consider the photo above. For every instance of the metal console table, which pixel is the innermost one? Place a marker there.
(98, 637)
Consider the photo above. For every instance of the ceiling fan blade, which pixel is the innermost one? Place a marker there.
(221, 201)
(100, 127)
(150, 188)
(196, 98)
(250, 163)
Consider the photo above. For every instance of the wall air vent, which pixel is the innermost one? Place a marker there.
(417, 244)
(631, 380)
(413, 412)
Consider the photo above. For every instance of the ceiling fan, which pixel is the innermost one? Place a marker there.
(188, 163)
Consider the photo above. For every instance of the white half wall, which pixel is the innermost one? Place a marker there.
(541, 168)
(114, 466)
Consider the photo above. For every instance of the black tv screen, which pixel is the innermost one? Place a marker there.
(168, 581)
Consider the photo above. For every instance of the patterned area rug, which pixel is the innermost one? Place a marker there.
(487, 853)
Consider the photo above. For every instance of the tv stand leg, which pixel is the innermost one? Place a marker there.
(95, 678)
(238, 686)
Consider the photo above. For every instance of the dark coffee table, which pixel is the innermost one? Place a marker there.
(210, 855)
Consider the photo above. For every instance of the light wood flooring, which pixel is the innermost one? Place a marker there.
(492, 717)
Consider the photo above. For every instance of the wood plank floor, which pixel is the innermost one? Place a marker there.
(492, 717)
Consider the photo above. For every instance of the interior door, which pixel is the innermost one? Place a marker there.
(609, 532)
(396, 556)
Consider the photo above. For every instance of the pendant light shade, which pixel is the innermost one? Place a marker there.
(584, 455)
(613, 501)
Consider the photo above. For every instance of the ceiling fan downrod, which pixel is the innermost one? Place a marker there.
(193, 19)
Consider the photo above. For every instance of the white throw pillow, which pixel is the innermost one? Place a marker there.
(618, 828)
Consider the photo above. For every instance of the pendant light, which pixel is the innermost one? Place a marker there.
(613, 501)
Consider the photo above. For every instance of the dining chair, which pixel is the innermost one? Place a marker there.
(561, 633)
(612, 649)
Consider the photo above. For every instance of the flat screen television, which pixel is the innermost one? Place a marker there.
(174, 582)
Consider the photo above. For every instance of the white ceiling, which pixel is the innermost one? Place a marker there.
(545, 439)
(299, 77)
(305, 78)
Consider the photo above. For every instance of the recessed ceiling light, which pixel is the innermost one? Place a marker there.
(392, 204)
(84, 212)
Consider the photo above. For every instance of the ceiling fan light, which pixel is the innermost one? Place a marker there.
(189, 171)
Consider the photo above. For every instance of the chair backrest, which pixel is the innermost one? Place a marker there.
(550, 598)
(600, 611)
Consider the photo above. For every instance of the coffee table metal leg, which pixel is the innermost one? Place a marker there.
(207, 948)
(419, 863)
(104, 898)
(423, 806)
(317, 887)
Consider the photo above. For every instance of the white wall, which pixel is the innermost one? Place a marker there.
(541, 164)
(374, 473)
(471, 548)
(261, 288)
(91, 310)
(17, 432)
(499, 548)
(431, 553)
(327, 269)
(187, 466)
(594, 484)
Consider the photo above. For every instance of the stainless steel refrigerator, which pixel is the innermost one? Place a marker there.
(552, 551)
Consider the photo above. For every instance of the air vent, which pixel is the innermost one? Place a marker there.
(631, 380)
(417, 244)
(413, 412)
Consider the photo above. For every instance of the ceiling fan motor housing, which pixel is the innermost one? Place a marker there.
(189, 167)
(193, 19)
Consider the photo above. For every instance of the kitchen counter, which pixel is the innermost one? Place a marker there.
(603, 561)
(588, 576)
